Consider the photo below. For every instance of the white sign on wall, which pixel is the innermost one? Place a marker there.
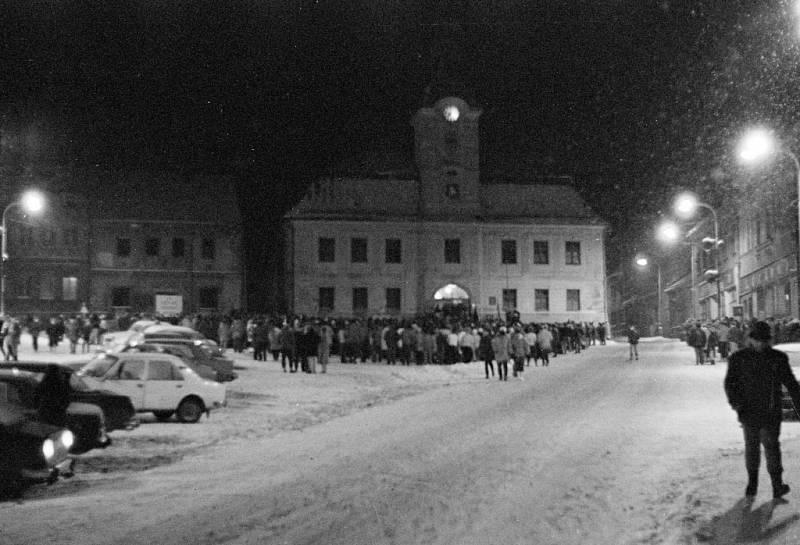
(169, 305)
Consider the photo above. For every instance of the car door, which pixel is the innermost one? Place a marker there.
(127, 378)
(165, 384)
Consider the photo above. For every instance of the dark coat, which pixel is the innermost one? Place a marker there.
(753, 385)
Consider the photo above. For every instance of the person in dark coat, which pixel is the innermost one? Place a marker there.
(633, 342)
(753, 386)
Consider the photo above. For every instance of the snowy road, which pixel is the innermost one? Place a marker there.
(591, 450)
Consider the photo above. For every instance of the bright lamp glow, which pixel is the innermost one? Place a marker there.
(642, 261)
(686, 204)
(32, 201)
(756, 145)
(48, 448)
(668, 232)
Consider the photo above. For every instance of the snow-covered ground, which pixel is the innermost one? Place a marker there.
(593, 449)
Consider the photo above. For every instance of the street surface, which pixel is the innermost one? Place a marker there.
(591, 450)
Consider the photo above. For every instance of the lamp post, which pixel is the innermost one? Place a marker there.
(31, 201)
(686, 204)
(756, 145)
(670, 233)
(642, 262)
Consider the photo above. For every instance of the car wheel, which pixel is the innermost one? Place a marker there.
(190, 410)
(163, 416)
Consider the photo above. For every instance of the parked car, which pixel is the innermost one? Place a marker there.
(64, 400)
(116, 338)
(144, 330)
(155, 382)
(793, 351)
(204, 356)
(31, 448)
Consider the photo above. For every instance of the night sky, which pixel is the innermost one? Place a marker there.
(634, 99)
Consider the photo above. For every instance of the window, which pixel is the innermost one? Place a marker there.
(326, 298)
(25, 235)
(71, 237)
(120, 297)
(541, 252)
(132, 370)
(178, 247)
(327, 250)
(573, 253)
(541, 300)
(393, 299)
(573, 300)
(32, 287)
(358, 250)
(508, 252)
(360, 299)
(162, 370)
(209, 248)
(209, 297)
(48, 287)
(452, 250)
(152, 246)
(69, 288)
(123, 247)
(48, 237)
(509, 300)
(394, 250)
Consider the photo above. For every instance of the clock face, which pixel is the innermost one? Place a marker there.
(451, 113)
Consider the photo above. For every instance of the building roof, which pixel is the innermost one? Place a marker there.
(361, 199)
(163, 197)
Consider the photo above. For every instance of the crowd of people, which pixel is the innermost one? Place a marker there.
(301, 343)
(714, 340)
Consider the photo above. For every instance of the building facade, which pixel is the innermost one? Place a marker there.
(389, 246)
(139, 244)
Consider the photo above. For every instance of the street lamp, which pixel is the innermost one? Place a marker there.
(756, 145)
(669, 233)
(686, 204)
(32, 202)
(642, 262)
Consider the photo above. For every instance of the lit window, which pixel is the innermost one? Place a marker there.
(69, 288)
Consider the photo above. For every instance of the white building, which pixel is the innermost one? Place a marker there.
(363, 247)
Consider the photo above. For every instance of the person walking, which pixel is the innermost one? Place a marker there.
(519, 351)
(753, 387)
(697, 340)
(545, 339)
(325, 343)
(500, 350)
(633, 343)
(485, 352)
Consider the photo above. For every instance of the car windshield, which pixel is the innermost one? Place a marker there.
(99, 366)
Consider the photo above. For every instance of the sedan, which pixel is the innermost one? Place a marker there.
(58, 397)
(155, 382)
(31, 449)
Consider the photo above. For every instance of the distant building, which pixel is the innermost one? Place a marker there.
(388, 246)
(136, 242)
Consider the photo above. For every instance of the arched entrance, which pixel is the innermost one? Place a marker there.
(453, 302)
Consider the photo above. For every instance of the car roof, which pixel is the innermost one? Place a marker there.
(172, 330)
(147, 355)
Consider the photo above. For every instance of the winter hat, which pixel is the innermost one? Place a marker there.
(761, 332)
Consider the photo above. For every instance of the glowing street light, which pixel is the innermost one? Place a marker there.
(686, 204)
(756, 145)
(668, 231)
(32, 202)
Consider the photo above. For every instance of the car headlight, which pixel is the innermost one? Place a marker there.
(67, 439)
(48, 449)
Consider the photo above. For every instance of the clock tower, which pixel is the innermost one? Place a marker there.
(446, 154)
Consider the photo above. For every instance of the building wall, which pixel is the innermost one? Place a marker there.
(67, 257)
(423, 269)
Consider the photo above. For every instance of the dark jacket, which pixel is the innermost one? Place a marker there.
(753, 385)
